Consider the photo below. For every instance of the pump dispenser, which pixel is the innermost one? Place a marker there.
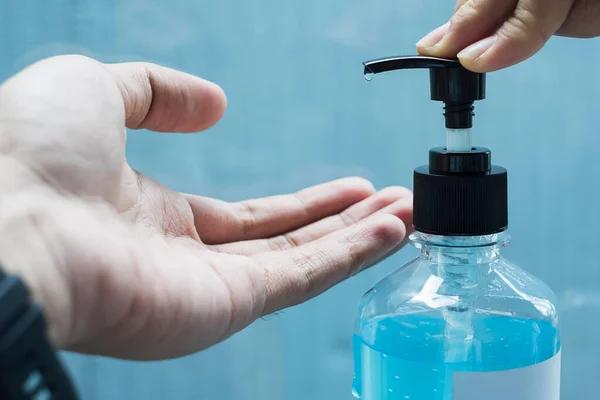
(459, 322)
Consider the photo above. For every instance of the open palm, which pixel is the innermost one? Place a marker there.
(129, 268)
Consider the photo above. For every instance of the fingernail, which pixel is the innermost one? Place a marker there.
(476, 50)
(434, 37)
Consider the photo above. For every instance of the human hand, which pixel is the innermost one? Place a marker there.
(488, 35)
(128, 268)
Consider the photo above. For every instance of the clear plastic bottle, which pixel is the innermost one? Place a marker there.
(460, 322)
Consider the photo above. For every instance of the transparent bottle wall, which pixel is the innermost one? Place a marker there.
(460, 307)
(300, 113)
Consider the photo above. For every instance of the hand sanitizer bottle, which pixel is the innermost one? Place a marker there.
(459, 322)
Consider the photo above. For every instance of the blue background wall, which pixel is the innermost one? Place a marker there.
(300, 113)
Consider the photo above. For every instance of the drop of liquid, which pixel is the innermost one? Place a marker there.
(369, 76)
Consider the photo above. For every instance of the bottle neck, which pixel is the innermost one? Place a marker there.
(458, 266)
(460, 250)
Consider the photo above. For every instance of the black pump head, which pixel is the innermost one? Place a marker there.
(459, 192)
(451, 83)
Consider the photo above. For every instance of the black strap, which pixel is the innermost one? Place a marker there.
(29, 366)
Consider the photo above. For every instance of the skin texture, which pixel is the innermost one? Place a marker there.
(488, 35)
(126, 267)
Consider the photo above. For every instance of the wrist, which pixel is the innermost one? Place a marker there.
(26, 250)
(25, 351)
(42, 292)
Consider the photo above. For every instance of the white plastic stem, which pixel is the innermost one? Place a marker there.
(458, 140)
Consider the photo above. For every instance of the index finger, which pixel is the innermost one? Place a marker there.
(303, 272)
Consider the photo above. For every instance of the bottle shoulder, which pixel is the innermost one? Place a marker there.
(498, 287)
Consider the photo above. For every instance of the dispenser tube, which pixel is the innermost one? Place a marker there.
(458, 140)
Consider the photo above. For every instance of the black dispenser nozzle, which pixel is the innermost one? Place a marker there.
(451, 83)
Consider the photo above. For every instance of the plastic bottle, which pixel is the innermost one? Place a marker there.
(459, 322)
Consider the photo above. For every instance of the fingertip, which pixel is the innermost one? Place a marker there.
(385, 233)
(355, 187)
(201, 104)
(445, 48)
(428, 43)
(361, 183)
(386, 230)
(475, 65)
(212, 108)
(476, 57)
(402, 209)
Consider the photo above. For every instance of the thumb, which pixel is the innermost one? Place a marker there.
(165, 100)
(495, 34)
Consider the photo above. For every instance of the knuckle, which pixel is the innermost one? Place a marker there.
(278, 243)
(139, 95)
(582, 21)
(524, 25)
(312, 269)
(466, 12)
(282, 242)
(247, 217)
(303, 203)
(346, 218)
(355, 260)
(354, 252)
